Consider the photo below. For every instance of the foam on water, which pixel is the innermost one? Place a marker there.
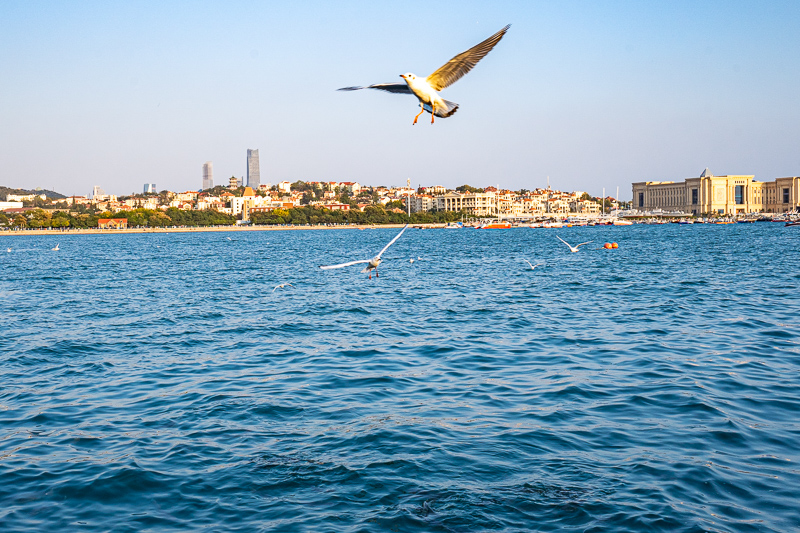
(157, 382)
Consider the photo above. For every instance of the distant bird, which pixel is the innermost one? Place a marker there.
(55, 249)
(427, 89)
(533, 267)
(572, 249)
(8, 250)
(372, 263)
(410, 260)
(228, 238)
(282, 285)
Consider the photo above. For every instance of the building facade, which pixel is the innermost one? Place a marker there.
(253, 169)
(150, 188)
(722, 195)
(208, 175)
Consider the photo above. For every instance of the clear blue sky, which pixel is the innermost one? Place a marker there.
(592, 94)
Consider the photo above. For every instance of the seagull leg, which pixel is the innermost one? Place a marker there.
(433, 111)
(421, 110)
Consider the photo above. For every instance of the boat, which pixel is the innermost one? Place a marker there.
(619, 222)
(792, 223)
(495, 225)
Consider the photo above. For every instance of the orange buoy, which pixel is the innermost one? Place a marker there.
(614, 245)
(607, 246)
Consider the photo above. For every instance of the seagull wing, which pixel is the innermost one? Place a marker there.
(453, 70)
(391, 242)
(562, 240)
(329, 267)
(581, 244)
(529, 263)
(401, 88)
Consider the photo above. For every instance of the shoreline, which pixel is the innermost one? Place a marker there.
(97, 231)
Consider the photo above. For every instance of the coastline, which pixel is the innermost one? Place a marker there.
(97, 231)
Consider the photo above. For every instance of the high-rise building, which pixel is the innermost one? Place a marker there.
(208, 175)
(150, 187)
(97, 191)
(253, 172)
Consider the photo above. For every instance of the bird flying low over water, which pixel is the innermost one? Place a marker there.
(372, 263)
(427, 89)
(572, 249)
(533, 267)
(281, 286)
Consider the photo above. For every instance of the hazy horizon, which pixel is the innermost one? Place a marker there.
(593, 96)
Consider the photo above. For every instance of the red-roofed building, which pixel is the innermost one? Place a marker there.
(112, 223)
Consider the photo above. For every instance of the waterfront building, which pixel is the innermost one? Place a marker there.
(112, 223)
(723, 195)
(253, 170)
(150, 188)
(422, 203)
(208, 175)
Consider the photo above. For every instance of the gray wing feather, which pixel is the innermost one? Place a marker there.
(401, 88)
(453, 70)
(392, 241)
(329, 267)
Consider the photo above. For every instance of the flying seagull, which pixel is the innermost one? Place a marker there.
(372, 263)
(572, 249)
(533, 267)
(427, 89)
(55, 249)
(282, 285)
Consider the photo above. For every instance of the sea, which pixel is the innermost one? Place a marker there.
(161, 382)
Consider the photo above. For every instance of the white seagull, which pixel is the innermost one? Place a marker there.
(533, 267)
(372, 263)
(282, 285)
(572, 249)
(427, 89)
(56, 248)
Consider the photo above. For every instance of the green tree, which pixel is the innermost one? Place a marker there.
(20, 221)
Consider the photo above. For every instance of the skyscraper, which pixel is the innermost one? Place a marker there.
(253, 172)
(208, 175)
(150, 188)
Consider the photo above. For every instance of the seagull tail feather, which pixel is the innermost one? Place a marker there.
(449, 109)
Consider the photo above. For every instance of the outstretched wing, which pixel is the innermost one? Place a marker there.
(329, 267)
(401, 88)
(391, 242)
(453, 70)
(562, 240)
(581, 244)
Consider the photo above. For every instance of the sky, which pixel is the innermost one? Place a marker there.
(589, 95)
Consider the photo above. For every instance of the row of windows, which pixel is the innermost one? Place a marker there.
(663, 198)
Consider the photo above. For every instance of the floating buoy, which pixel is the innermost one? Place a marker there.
(607, 246)
(614, 245)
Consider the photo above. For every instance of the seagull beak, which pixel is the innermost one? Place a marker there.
(403, 76)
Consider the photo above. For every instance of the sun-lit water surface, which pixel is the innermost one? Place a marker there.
(156, 382)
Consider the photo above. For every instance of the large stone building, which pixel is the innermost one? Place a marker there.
(723, 195)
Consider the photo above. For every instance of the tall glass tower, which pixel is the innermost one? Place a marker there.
(253, 172)
(208, 175)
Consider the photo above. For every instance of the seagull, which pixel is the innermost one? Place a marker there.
(8, 250)
(373, 263)
(572, 249)
(410, 260)
(427, 89)
(533, 267)
(282, 285)
(56, 248)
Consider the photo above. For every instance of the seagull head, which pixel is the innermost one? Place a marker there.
(408, 76)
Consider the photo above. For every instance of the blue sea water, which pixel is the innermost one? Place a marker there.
(156, 382)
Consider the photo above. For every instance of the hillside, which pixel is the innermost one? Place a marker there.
(50, 194)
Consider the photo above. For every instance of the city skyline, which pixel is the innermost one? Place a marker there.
(592, 96)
